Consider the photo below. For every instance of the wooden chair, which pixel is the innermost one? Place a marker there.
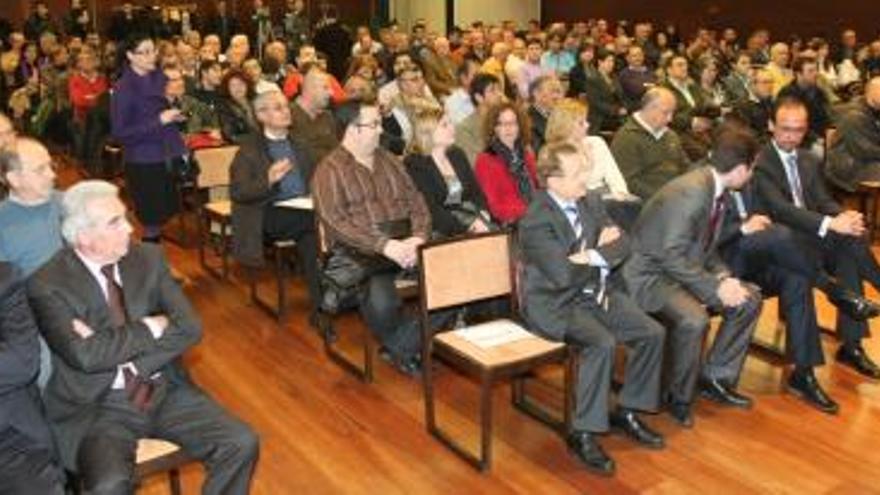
(156, 456)
(406, 290)
(466, 270)
(216, 211)
(279, 252)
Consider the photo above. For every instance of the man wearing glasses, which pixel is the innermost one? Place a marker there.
(367, 203)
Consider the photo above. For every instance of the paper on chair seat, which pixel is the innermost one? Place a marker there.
(493, 333)
(300, 203)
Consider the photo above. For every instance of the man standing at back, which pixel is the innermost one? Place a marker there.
(118, 324)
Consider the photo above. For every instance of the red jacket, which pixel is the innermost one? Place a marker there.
(84, 94)
(498, 185)
(294, 80)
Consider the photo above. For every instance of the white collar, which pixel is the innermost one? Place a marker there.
(274, 137)
(95, 268)
(562, 203)
(784, 155)
(658, 135)
(716, 180)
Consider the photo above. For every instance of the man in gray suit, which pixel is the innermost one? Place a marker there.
(27, 455)
(570, 246)
(117, 325)
(675, 273)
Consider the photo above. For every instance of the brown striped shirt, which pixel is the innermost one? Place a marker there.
(351, 200)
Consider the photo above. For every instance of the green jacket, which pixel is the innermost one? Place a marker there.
(645, 162)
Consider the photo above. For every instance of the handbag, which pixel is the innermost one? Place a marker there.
(346, 269)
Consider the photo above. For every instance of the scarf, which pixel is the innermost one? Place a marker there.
(516, 164)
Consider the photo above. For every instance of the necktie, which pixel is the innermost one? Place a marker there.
(138, 389)
(574, 218)
(115, 299)
(715, 220)
(794, 180)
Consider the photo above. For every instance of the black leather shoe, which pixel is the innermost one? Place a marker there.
(410, 365)
(587, 449)
(856, 358)
(854, 305)
(805, 386)
(681, 413)
(632, 426)
(716, 391)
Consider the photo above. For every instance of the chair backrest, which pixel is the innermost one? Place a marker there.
(214, 164)
(462, 270)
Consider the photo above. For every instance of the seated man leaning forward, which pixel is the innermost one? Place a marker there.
(117, 325)
(570, 246)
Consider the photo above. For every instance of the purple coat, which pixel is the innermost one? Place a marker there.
(135, 105)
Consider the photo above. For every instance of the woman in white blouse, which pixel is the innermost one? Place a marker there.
(568, 122)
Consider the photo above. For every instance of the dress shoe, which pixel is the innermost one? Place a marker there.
(410, 365)
(587, 449)
(856, 358)
(717, 391)
(804, 385)
(854, 305)
(632, 426)
(681, 413)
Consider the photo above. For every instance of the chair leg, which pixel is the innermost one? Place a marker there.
(363, 372)
(280, 280)
(485, 423)
(174, 481)
(224, 249)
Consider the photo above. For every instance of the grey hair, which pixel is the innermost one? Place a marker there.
(10, 157)
(75, 217)
(262, 99)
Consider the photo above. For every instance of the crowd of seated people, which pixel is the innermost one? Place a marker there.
(652, 180)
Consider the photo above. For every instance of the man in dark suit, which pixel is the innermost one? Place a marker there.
(570, 246)
(768, 254)
(271, 166)
(545, 92)
(28, 464)
(676, 274)
(792, 189)
(117, 325)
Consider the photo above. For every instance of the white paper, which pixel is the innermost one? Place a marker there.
(300, 203)
(493, 333)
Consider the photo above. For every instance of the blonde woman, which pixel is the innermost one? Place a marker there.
(442, 173)
(568, 122)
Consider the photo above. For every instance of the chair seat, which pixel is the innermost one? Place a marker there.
(284, 243)
(149, 449)
(869, 185)
(221, 208)
(497, 343)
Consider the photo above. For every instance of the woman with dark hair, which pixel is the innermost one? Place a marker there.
(235, 108)
(29, 64)
(506, 169)
(141, 120)
(585, 68)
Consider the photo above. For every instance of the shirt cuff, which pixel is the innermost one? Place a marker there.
(596, 259)
(119, 380)
(823, 227)
(154, 327)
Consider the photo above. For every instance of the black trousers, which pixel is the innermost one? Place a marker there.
(27, 468)
(185, 416)
(382, 311)
(774, 261)
(687, 320)
(297, 225)
(597, 331)
(850, 260)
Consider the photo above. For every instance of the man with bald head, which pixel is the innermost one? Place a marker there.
(856, 154)
(311, 121)
(7, 132)
(648, 151)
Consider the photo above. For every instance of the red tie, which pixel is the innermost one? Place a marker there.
(138, 389)
(715, 220)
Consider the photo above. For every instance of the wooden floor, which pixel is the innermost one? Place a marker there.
(324, 432)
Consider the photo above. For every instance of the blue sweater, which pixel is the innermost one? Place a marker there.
(30, 235)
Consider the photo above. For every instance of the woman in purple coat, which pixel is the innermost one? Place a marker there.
(148, 129)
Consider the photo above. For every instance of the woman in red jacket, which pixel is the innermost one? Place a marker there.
(506, 169)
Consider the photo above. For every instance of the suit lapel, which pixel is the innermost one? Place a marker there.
(132, 284)
(81, 281)
(559, 220)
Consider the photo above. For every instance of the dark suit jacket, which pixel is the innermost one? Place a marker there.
(432, 185)
(669, 244)
(250, 192)
(552, 285)
(684, 111)
(605, 102)
(84, 368)
(539, 127)
(775, 193)
(20, 406)
(736, 88)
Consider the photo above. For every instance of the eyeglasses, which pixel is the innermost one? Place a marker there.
(507, 123)
(369, 125)
(145, 51)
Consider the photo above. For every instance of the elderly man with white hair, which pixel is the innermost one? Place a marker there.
(118, 324)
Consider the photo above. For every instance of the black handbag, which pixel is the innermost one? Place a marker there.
(346, 269)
